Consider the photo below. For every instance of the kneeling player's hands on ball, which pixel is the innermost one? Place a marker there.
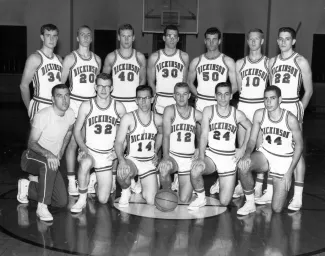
(244, 163)
(123, 170)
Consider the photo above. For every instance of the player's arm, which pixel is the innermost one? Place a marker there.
(124, 127)
(299, 144)
(271, 63)
(151, 72)
(35, 134)
(232, 73)
(66, 141)
(186, 60)
(198, 118)
(77, 131)
(207, 112)
(192, 75)
(306, 79)
(143, 68)
(244, 122)
(159, 138)
(31, 65)
(108, 63)
(68, 62)
(239, 65)
(167, 130)
(99, 61)
(120, 109)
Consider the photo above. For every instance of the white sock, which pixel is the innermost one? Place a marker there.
(298, 191)
(250, 198)
(83, 196)
(71, 178)
(201, 195)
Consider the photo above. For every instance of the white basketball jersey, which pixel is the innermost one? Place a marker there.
(222, 132)
(169, 71)
(126, 76)
(254, 75)
(286, 74)
(100, 126)
(47, 75)
(82, 77)
(277, 136)
(142, 138)
(209, 73)
(182, 137)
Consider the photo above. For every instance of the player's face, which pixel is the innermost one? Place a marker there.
(50, 38)
(103, 88)
(223, 96)
(271, 100)
(126, 38)
(171, 38)
(285, 41)
(212, 42)
(84, 37)
(61, 99)
(143, 100)
(182, 95)
(255, 41)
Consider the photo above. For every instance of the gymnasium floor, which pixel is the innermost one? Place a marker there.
(105, 230)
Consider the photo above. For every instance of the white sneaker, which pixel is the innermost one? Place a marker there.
(125, 198)
(136, 188)
(215, 188)
(238, 192)
(43, 213)
(197, 203)
(264, 199)
(258, 192)
(295, 204)
(78, 206)
(175, 183)
(113, 189)
(22, 195)
(91, 184)
(247, 208)
(73, 188)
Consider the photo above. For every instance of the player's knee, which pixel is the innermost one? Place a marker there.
(62, 202)
(163, 172)
(224, 201)
(85, 165)
(185, 198)
(277, 208)
(150, 199)
(103, 199)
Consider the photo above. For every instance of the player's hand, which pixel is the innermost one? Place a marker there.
(198, 163)
(123, 170)
(52, 161)
(196, 154)
(239, 154)
(165, 165)
(112, 156)
(287, 178)
(244, 163)
(155, 160)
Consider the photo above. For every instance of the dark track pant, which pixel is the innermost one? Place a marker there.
(50, 188)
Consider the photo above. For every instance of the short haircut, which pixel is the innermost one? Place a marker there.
(212, 31)
(104, 76)
(58, 86)
(83, 26)
(171, 27)
(48, 27)
(289, 30)
(222, 84)
(181, 85)
(257, 30)
(125, 26)
(273, 88)
(141, 88)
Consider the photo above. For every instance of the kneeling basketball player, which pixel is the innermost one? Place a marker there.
(179, 128)
(280, 128)
(219, 129)
(143, 128)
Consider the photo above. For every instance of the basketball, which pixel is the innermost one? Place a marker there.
(166, 200)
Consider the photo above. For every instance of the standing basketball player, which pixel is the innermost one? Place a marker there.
(288, 70)
(179, 141)
(128, 69)
(81, 67)
(219, 129)
(100, 116)
(167, 67)
(44, 68)
(280, 129)
(252, 77)
(144, 131)
(49, 136)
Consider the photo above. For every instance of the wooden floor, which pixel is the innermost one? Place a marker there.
(105, 230)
